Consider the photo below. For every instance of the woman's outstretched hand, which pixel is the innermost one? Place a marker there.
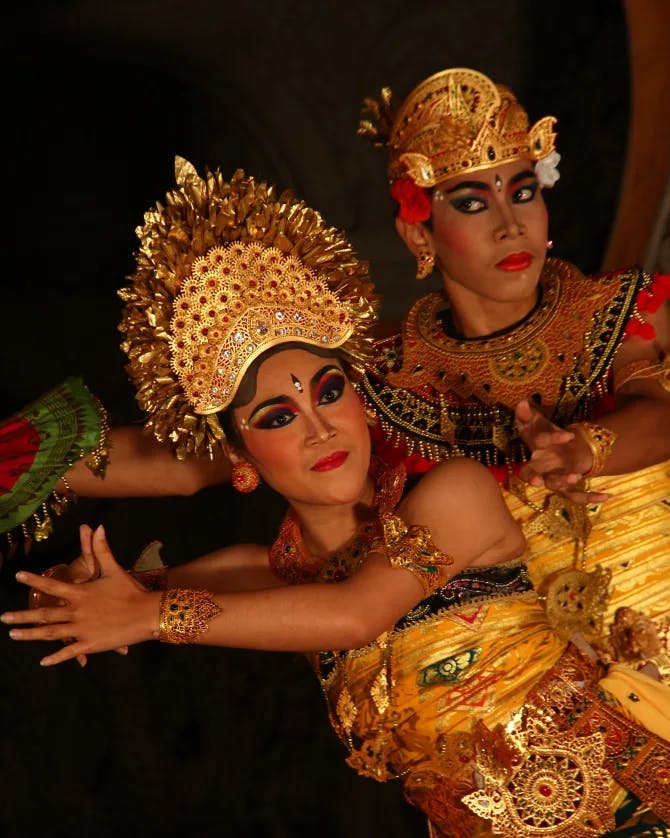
(110, 612)
(559, 459)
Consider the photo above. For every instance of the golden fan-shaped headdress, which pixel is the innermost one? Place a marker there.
(454, 122)
(226, 270)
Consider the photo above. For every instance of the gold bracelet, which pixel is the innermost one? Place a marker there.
(600, 441)
(184, 614)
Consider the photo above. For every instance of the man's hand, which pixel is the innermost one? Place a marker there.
(559, 458)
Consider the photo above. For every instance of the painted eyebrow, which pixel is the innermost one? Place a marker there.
(324, 369)
(469, 184)
(485, 187)
(283, 399)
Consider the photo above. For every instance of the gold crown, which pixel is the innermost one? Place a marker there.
(226, 270)
(243, 299)
(454, 122)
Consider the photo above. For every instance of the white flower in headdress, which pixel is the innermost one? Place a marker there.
(546, 170)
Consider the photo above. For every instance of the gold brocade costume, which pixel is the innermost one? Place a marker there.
(474, 695)
(438, 396)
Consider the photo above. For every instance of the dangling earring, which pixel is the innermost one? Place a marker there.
(245, 478)
(371, 418)
(550, 244)
(425, 263)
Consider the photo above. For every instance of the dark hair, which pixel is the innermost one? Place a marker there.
(247, 389)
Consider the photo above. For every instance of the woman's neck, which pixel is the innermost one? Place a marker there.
(327, 528)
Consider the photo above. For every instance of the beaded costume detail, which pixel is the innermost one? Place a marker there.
(444, 396)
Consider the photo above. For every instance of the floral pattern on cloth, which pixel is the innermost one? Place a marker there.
(19, 443)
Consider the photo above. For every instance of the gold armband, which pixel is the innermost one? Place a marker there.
(643, 369)
(185, 614)
(413, 548)
(600, 441)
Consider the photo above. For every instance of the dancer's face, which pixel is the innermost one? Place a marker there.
(489, 232)
(305, 429)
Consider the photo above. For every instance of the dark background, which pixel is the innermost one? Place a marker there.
(97, 99)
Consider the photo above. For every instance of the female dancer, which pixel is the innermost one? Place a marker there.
(241, 313)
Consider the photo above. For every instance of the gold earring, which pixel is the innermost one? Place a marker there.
(244, 477)
(425, 263)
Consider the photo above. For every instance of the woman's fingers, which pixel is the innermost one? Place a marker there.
(51, 631)
(73, 650)
(90, 569)
(47, 585)
(103, 554)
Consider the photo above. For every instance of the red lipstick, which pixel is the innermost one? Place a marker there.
(515, 262)
(331, 461)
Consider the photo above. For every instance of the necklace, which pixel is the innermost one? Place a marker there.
(290, 558)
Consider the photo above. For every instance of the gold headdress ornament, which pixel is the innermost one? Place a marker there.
(226, 270)
(454, 122)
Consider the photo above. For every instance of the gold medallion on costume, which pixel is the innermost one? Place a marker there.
(575, 600)
(557, 787)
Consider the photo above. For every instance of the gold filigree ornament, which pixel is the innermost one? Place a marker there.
(559, 788)
(455, 121)
(227, 269)
(346, 710)
(575, 600)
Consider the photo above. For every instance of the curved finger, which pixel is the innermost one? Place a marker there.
(74, 650)
(82, 660)
(588, 498)
(529, 475)
(122, 650)
(523, 415)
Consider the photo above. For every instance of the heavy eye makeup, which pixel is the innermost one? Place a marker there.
(525, 193)
(472, 197)
(468, 204)
(276, 413)
(329, 386)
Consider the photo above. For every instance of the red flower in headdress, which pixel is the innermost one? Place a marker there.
(413, 201)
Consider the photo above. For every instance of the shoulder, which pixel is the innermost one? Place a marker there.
(453, 484)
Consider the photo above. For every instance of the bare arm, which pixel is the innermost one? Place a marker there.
(244, 567)
(459, 501)
(140, 466)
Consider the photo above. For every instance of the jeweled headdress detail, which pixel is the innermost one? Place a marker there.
(226, 270)
(454, 122)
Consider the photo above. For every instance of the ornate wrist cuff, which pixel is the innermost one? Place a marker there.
(185, 614)
(600, 441)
